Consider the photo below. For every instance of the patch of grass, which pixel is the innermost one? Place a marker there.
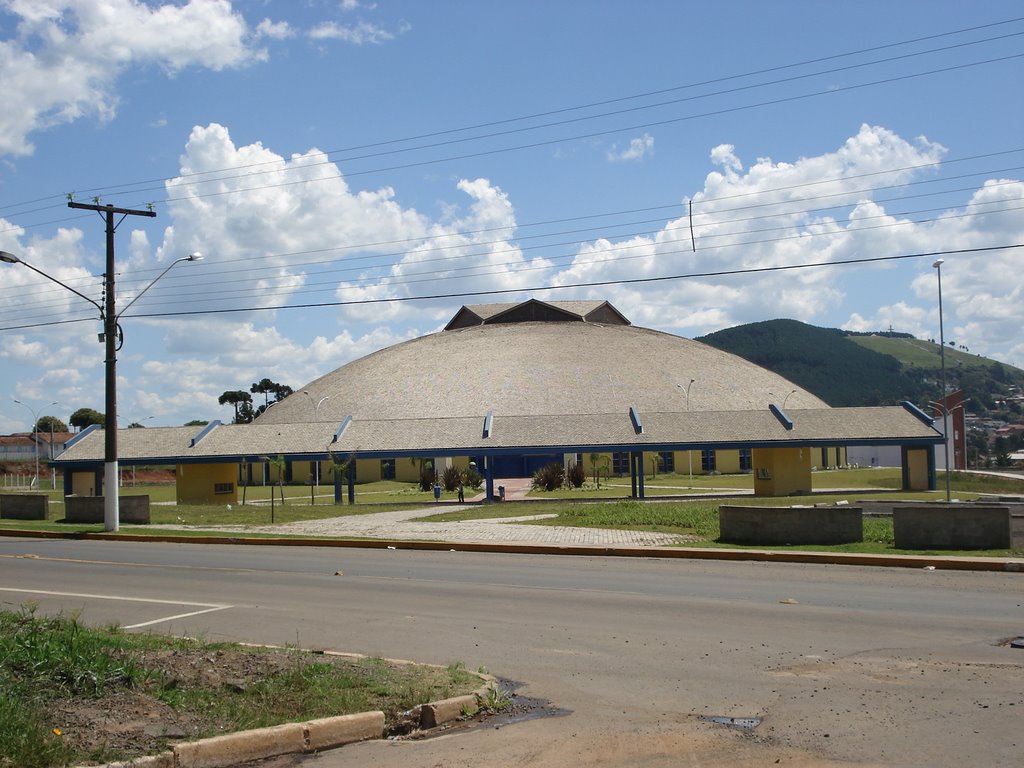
(696, 518)
(51, 667)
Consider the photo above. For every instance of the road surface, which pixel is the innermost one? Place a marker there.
(842, 665)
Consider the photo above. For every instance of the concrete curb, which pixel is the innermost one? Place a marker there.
(304, 738)
(938, 562)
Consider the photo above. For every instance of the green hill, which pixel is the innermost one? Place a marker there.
(845, 368)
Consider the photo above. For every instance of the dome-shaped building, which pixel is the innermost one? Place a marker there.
(556, 359)
(512, 387)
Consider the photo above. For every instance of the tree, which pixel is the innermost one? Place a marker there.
(85, 417)
(242, 402)
(50, 424)
(266, 387)
(197, 422)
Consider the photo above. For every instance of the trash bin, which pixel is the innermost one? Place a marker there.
(501, 492)
(437, 491)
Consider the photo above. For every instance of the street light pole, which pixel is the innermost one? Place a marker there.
(689, 452)
(942, 362)
(316, 417)
(35, 430)
(113, 339)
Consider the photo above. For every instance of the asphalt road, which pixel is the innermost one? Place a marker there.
(842, 664)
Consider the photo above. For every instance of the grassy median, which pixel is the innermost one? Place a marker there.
(74, 694)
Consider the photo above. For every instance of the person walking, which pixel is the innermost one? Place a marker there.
(462, 493)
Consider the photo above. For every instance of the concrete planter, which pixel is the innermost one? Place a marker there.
(133, 510)
(24, 506)
(773, 526)
(952, 526)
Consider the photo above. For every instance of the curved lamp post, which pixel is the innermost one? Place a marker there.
(785, 399)
(35, 424)
(316, 417)
(689, 452)
(114, 338)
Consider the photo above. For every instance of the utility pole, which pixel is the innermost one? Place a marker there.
(111, 516)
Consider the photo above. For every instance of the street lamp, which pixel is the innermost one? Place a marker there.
(35, 421)
(114, 338)
(316, 417)
(689, 452)
(785, 399)
(937, 265)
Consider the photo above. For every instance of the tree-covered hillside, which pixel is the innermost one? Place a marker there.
(844, 368)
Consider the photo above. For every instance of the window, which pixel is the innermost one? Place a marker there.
(387, 469)
(746, 460)
(667, 461)
(223, 487)
(707, 461)
(620, 463)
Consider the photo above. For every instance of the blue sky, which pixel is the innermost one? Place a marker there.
(336, 162)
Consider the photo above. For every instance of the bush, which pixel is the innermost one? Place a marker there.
(576, 475)
(473, 479)
(549, 477)
(426, 479)
(450, 478)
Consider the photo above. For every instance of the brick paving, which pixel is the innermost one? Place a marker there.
(400, 526)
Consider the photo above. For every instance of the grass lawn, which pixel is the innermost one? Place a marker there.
(607, 507)
(65, 682)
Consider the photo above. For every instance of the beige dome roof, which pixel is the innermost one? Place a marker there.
(565, 364)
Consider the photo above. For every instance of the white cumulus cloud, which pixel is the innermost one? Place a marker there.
(638, 149)
(65, 57)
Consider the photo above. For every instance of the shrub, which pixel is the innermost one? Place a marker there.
(450, 478)
(473, 479)
(549, 477)
(426, 479)
(576, 475)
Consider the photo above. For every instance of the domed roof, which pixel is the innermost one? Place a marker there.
(538, 359)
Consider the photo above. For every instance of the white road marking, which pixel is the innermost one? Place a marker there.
(203, 607)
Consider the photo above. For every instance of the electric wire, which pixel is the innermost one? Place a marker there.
(483, 249)
(183, 180)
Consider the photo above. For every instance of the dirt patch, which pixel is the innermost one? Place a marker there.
(135, 723)
(138, 722)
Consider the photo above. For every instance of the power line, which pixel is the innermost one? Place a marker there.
(133, 187)
(475, 247)
(591, 284)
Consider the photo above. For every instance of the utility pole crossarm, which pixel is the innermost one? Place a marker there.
(111, 209)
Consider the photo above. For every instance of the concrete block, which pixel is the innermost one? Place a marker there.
(1017, 530)
(24, 506)
(765, 526)
(234, 748)
(163, 760)
(446, 710)
(330, 732)
(951, 526)
(133, 510)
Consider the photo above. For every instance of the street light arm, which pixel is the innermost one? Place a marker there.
(190, 257)
(10, 258)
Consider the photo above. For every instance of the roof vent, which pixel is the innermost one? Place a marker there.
(203, 433)
(341, 428)
(778, 413)
(634, 416)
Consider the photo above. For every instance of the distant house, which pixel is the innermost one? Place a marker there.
(17, 447)
(52, 444)
(23, 446)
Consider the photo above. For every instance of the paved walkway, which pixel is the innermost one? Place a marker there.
(505, 530)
